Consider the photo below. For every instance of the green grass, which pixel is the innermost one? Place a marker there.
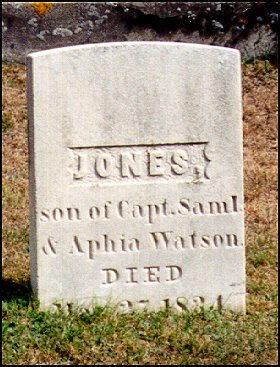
(6, 122)
(15, 235)
(163, 337)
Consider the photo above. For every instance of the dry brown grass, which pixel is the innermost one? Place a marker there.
(260, 101)
(14, 173)
(260, 105)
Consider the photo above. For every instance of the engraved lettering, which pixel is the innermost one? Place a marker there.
(104, 165)
(193, 239)
(133, 245)
(184, 206)
(150, 212)
(218, 240)
(180, 160)
(50, 248)
(94, 212)
(106, 209)
(232, 240)
(216, 207)
(60, 214)
(174, 273)
(131, 275)
(102, 212)
(82, 166)
(198, 301)
(168, 240)
(166, 302)
(111, 276)
(104, 245)
(45, 215)
(166, 208)
(147, 274)
(152, 274)
(109, 244)
(198, 208)
(93, 247)
(138, 211)
(123, 209)
(153, 210)
(76, 248)
(131, 163)
(234, 203)
(73, 214)
(182, 303)
(179, 243)
(57, 214)
(125, 306)
(156, 163)
(205, 241)
(160, 239)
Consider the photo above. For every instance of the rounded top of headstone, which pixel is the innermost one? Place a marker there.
(133, 44)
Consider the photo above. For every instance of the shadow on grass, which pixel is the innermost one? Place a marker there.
(18, 292)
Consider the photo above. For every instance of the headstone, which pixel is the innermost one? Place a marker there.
(136, 176)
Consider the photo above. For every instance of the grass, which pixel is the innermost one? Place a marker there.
(164, 337)
(102, 336)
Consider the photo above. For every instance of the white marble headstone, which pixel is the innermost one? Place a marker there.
(136, 176)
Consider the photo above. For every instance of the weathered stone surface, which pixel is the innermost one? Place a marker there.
(136, 185)
(250, 27)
